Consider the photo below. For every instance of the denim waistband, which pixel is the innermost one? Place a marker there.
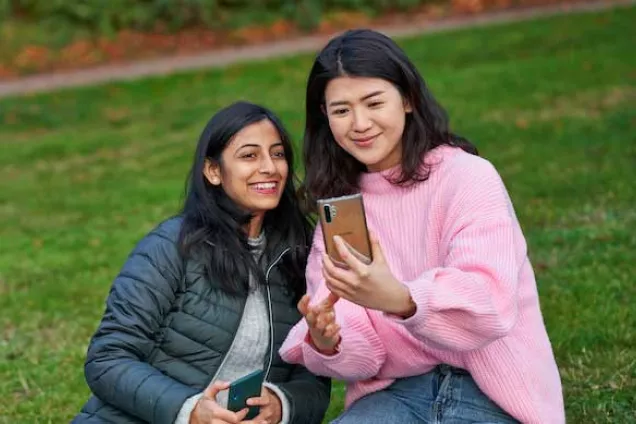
(446, 369)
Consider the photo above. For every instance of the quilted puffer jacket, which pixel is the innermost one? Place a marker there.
(166, 331)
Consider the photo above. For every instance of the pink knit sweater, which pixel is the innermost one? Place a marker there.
(455, 242)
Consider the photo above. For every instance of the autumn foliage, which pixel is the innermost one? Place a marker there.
(114, 31)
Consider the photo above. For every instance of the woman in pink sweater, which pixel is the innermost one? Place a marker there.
(444, 326)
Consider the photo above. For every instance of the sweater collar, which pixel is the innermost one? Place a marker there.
(380, 182)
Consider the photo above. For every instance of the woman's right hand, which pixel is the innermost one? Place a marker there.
(321, 320)
(207, 411)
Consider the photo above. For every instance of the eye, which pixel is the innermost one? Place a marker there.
(248, 155)
(340, 111)
(279, 155)
(375, 104)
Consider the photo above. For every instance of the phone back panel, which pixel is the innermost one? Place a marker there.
(344, 216)
(242, 389)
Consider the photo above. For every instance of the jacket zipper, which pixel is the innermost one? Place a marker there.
(271, 322)
(269, 307)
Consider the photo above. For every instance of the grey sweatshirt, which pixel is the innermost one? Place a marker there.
(249, 347)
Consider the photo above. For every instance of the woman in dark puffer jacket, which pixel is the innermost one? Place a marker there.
(210, 295)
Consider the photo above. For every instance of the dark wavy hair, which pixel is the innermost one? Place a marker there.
(213, 226)
(329, 169)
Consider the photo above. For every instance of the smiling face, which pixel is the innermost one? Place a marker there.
(253, 168)
(367, 117)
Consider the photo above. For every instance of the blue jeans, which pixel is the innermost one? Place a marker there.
(445, 395)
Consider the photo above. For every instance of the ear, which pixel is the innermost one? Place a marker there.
(323, 109)
(407, 106)
(212, 172)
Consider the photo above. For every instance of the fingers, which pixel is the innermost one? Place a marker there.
(213, 389)
(331, 270)
(352, 260)
(331, 300)
(240, 416)
(340, 287)
(319, 318)
(217, 414)
(303, 305)
(331, 331)
(311, 318)
(321, 321)
(324, 318)
(307, 311)
(259, 401)
(376, 249)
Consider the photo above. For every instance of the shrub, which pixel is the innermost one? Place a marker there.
(99, 16)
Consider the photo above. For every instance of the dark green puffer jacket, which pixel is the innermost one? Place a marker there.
(166, 330)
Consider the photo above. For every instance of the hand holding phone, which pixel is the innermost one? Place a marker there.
(244, 388)
(271, 406)
(371, 286)
(208, 410)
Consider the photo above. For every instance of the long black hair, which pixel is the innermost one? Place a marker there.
(329, 170)
(213, 225)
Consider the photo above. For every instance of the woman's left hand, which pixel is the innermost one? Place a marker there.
(271, 411)
(372, 286)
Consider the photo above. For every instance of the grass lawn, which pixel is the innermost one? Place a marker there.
(85, 173)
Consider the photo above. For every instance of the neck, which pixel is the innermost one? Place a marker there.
(255, 225)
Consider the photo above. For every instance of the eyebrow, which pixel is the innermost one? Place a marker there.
(363, 98)
(280, 143)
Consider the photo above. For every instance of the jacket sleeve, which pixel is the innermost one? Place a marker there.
(141, 296)
(308, 396)
(361, 352)
(472, 300)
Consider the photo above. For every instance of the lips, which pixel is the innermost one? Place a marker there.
(366, 141)
(270, 187)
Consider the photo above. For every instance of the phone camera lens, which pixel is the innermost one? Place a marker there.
(327, 210)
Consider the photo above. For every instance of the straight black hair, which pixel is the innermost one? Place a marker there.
(213, 225)
(329, 170)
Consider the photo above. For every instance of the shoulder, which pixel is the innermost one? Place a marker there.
(460, 166)
(170, 228)
(456, 172)
(160, 245)
(154, 263)
(164, 233)
(468, 182)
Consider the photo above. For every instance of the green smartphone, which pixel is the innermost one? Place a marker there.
(244, 388)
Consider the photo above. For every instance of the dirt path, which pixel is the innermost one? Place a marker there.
(224, 57)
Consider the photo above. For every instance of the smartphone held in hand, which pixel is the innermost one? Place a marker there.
(344, 216)
(244, 388)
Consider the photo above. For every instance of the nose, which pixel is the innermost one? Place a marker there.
(361, 120)
(267, 165)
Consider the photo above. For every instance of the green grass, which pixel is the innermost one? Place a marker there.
(85, 173)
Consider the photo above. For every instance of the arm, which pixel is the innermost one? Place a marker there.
(361, 353)
(472, 299)
(141, 296)
(305, 397)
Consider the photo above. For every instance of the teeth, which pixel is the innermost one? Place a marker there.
(265, 186)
